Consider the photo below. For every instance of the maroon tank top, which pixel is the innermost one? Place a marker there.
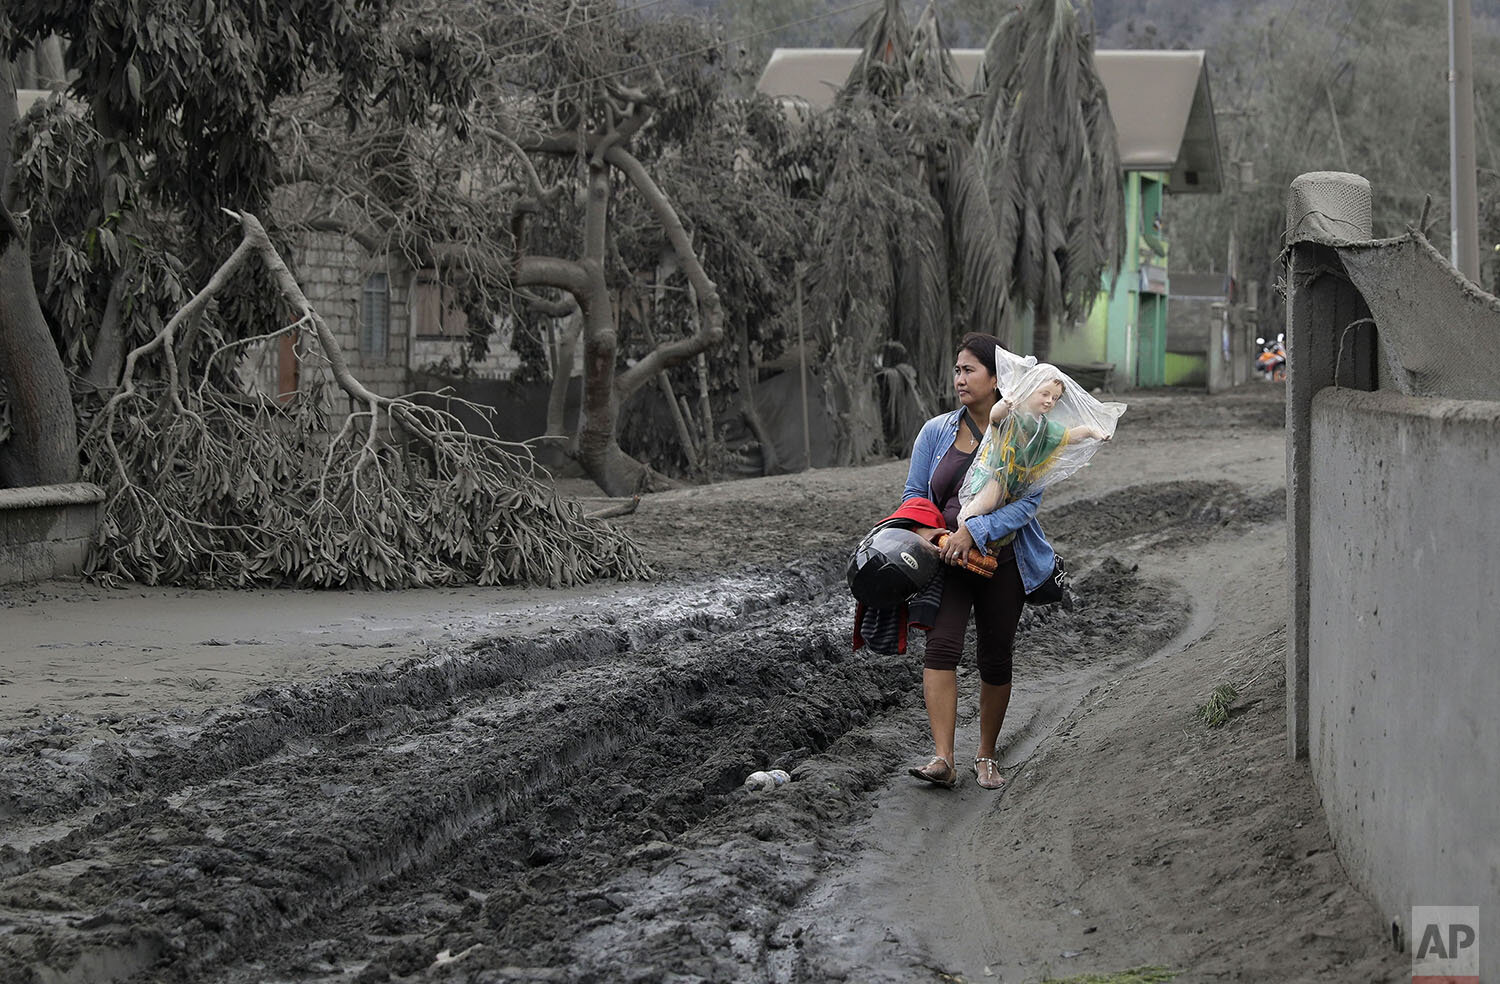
(947, 479)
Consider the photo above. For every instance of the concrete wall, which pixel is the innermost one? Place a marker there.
(1224, 356)
(1185, 369)
(1393, 521)
(1404, 643)
(45, 530)
(1192, 320)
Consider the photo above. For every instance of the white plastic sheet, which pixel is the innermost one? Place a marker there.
(1044, 428)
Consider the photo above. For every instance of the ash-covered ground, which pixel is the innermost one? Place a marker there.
(557, 795)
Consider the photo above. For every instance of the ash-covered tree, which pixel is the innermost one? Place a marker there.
(909, 255)
(946, 211)
(588, 126)
(1360, 89)
(607, 103)
(1049, 152)
(749, 220)
(175, 112)
(38, 438)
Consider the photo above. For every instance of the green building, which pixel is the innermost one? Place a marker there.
(1164, 119)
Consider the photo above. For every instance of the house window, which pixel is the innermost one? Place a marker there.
(375, 317)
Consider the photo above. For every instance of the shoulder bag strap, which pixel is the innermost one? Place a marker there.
(973, 427)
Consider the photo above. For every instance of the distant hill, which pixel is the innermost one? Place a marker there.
(1121, 23)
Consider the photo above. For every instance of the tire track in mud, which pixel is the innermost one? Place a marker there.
(343, 813)
(711, 905)
(55, 797)
(564, 808)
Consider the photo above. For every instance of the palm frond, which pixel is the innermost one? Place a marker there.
(1048, 146)
(983, 256)
(924, 313)
(931, 67)
(883, 66)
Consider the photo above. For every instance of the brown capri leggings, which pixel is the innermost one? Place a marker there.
(996, 603)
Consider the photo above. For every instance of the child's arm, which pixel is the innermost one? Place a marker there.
(999, 411)
(1082, 431)
(1007, 519)
(986, 500)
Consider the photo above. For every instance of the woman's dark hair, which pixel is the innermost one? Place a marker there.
(981, 347)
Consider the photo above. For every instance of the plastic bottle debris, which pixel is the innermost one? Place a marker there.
(760, 781)
(766, 781)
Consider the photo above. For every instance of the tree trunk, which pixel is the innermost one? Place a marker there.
(1041, 338)
(43, 444)
(8, 115)
(769, 464)
(599, 451)
(664, 380)
(562, 373)
(598, 448)
(684, 434)
(109, 345)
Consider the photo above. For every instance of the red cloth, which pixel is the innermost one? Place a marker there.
(902, 622)
(922, 512)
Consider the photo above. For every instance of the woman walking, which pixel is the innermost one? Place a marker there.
(940, 459)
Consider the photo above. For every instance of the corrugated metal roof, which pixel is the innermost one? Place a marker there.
(1160, 102)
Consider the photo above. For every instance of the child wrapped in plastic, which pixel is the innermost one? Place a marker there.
(1044, 429)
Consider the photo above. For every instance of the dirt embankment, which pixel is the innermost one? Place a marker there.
(563, 801)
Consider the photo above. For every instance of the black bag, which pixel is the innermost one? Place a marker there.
(1054, 589)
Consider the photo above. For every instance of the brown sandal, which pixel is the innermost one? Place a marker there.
(987, 773)
(947, 778)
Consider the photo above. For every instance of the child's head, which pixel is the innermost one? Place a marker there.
(1044, 397)
(1036, 390)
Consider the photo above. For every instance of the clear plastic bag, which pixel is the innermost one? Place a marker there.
(1044, 429)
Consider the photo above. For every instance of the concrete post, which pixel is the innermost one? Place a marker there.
(1323, 208)
(1220, 356)
(1247, 350)
(1463, 180)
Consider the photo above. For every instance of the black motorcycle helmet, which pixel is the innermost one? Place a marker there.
(889, 566)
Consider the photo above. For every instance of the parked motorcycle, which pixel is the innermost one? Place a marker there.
(1271, 363)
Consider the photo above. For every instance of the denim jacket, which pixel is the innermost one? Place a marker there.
(1034, 556)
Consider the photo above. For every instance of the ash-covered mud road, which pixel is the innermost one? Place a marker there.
(564, 803)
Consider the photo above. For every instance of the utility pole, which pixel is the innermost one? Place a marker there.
(1462, 164)
(802, 361)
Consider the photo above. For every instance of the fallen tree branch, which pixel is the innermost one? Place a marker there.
(212, 488)
(620, 509)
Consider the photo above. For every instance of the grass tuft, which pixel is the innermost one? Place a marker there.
(1139, 975)
(1215, 711)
